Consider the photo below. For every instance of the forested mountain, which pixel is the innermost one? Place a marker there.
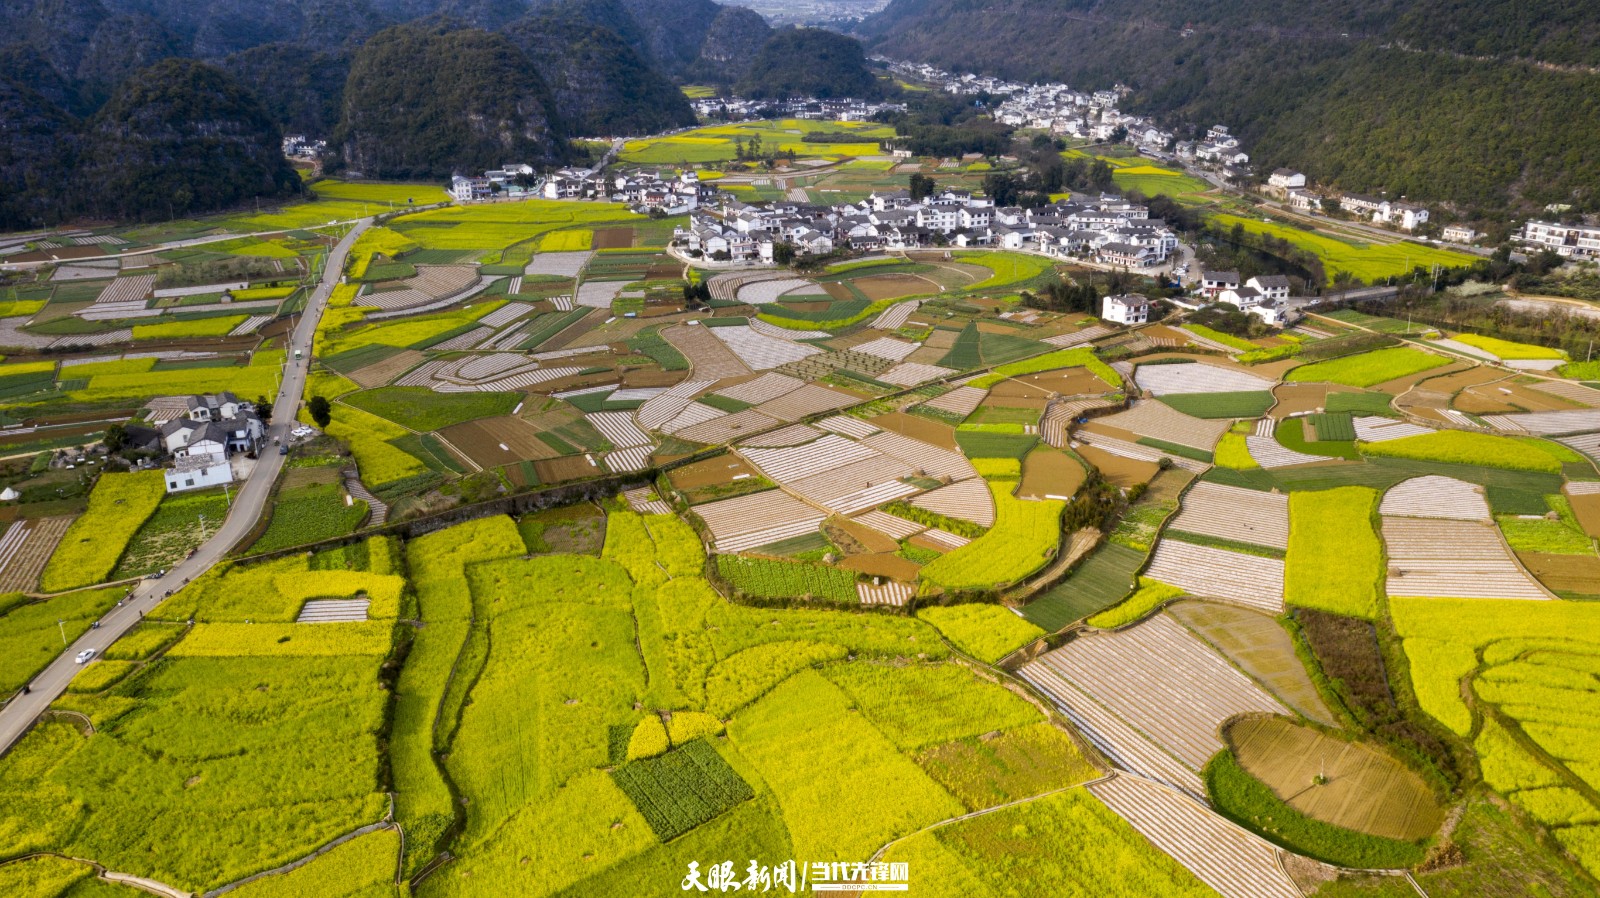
(809, 62)
(424, 102)
(465, 85)
(1487, 104)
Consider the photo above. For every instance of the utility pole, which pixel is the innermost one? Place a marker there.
(63, 625)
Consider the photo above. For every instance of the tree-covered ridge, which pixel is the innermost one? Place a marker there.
(425, 102)
(1432, 100)
(809, 62)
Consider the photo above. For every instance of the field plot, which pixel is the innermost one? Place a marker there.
(1547, 423)
(90, 548)
(1267, 452)
(1197, 377)
(967, 500)
(1229, 512)
(759, 351)
(1258, 645)
(909, 374)
(709, 357)
(1234, 862)
(1163, 681)
(1248, 580)
(745, 522)
(1161, 422)
(806, 401)
(1366, 789)
(1433, 496)
(1370, 429)
(25, 548)
(925, 457)
(1453, 559)
(1370, 261)
(1368, 369)
(491, 442)
(682, 789)
(1335, 561)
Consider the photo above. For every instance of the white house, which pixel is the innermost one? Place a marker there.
(193, 472)
(1213, 283)
(1270, 286)
(1458, 233)
(1130, 308)
(1286, 179)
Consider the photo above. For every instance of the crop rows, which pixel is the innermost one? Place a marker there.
(804, 402)
(895, 317)
(793, 435)
(1373, 429)
(660, 409)
(909, 374)
(968, 500)
(1198, 377)
(566, 265)
(1161, 422)
(844, 425)
(889, 592)
(682, 789)
(766, 387)
(619, 429)
(1234, 577)
(1435, 497)
(1453, 559)
(847, 489)
(627, 461)
(773, 579)
(961, 402)
(707, 356)
(758, 519)
(1137, 452)
(1547, 423)
(1235, 862)
(25, 549)
(890, 525)
(724, 428)
(1079, 338)
(433, 282)
(1269, 453)
(759, 351)
(1164, 681)
(931, 460)
(129, 288)
(1230, 512)
(691, 415)
(887, 348)
(771, 290)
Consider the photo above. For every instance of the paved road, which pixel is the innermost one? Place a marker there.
(247, 506)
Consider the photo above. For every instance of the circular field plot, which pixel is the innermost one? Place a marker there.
(1366, 789)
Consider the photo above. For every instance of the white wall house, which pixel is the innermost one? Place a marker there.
(1130, 308)
(194, 472)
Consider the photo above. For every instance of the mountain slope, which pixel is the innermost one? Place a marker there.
(426, 102)
(1417, 98)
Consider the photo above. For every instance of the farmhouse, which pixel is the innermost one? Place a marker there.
(1458, 233)
(213, 424)
(1213, 283)
(193, 472)
(1129, 308)
(1286, 179)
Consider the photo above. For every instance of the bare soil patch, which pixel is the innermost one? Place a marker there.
(1366, 789)
(871, 540)
(1066, 381)
(711, 472)
(1258, 645)
(838, 291)
(920, 428)
(882, 565)
(613, 238)
(1123, 472)
(1564, 573)
(481, 441)
(1050, 472)
(894, 286)
(571, 467)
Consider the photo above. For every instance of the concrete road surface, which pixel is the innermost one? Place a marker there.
(248, 502)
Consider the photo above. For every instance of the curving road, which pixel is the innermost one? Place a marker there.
(248, 503)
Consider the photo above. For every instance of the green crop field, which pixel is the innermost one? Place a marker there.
(1367, 261)
(986, 632)
(423, 410)
(772, 579)
(31, 632)
(1488, 450)
(181, 523)
(89, 551)
(1024, 538)
(309, 513)
(1153, 180)
(1368, 369)
(1100, 581)
(1221, 405)
(717, 143)
(1335, 558)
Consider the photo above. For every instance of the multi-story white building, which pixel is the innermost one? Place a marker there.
(1570, 241)
(1129, 308)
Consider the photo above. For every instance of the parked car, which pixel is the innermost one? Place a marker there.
(85, 656)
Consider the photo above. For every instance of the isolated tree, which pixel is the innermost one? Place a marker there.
(321, 411)
(921, 187)
(116, 438)
(264, 408)
(783, 253)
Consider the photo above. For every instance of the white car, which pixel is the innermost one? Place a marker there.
(85, 656)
